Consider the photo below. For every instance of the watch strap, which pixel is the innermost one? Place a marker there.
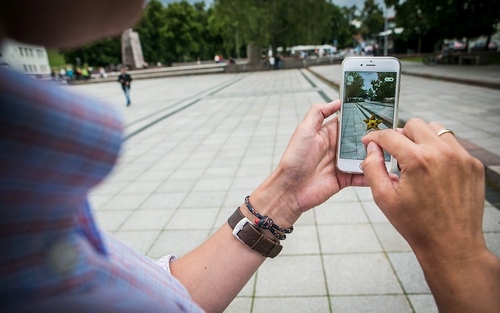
(245, 231)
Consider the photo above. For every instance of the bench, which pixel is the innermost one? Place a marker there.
(473, 57)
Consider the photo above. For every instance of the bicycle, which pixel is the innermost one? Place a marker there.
(438, 57)
(431, 60)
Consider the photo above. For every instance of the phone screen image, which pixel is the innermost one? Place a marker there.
(369, 100)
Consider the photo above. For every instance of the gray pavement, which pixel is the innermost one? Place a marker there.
(482, 76)
(212, 139)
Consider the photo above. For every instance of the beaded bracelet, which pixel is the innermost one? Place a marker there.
(266, 222)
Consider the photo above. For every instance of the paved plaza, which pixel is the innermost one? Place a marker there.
(197, 145)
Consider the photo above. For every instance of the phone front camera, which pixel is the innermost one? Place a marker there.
(361, 64)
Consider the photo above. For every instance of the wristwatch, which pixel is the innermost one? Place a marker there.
(245, 231)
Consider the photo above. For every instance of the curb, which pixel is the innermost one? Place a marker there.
(167, 72)
(493, 176)
(472, 82)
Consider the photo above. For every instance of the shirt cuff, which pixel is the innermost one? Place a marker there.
(164, 262)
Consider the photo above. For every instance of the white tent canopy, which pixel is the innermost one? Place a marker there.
(388, 32)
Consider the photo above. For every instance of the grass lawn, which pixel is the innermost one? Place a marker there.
(56, 59)
(413, 59)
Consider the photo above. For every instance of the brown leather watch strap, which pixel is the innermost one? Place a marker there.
(249, 234)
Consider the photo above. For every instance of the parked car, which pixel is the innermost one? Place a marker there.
(456, 45)
(480, 45)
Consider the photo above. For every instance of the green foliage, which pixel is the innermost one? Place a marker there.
(383, 89)
(151, 32)
(101, 53)
(372, 19)
(341, 28)
(185, 32)
(354, 87)
(176, 33)
(435, 20)
(271, 22)
(182, 32)
(56, 59)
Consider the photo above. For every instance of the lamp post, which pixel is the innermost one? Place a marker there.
(236, 41)
(385, 30)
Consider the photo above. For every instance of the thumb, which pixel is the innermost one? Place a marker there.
(376, 173)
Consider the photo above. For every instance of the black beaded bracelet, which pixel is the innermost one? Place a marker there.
(266, 222)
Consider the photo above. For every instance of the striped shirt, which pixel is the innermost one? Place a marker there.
(54, 147)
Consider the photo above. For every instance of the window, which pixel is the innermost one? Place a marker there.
(31, 52)
(43, 68)
(21, 52)
(39, 53)
(25, 68)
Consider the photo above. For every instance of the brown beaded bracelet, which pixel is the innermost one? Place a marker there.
(265, 222)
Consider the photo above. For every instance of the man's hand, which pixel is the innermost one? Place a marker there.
(307, 175)
(440, 194)
(437, 206)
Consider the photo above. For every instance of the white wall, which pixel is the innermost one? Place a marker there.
(25, 58)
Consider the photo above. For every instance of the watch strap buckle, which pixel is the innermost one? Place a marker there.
(246, 232)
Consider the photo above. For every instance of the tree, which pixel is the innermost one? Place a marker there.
(384, 86)
(151, 32)
(341, 28)
(238, 22)
(372, 20)
(100, 53)
(354, 86)
(210, 41)
(271, 22)
(304, 22)
(182, 32)
(435, 20)
(175, 33)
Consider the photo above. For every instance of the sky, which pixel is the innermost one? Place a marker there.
(349, 3)
(208, 2)
(340, 3)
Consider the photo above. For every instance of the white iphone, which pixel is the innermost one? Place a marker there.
(369, 92)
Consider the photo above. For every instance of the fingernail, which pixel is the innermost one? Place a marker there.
(371, 147)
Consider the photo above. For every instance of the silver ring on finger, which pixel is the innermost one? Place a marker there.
(444, 131)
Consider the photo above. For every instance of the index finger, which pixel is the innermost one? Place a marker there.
(419, 131)
(319, 112)
(392, 141)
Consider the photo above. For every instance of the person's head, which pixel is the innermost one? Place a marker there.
(123, 69)
(66, 23)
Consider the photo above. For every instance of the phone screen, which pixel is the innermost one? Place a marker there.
(368, 105)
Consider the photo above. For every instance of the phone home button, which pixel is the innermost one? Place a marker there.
(361, 166)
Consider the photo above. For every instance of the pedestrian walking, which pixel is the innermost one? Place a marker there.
(125, 80)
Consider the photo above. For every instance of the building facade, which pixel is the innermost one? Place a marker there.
(25, 58)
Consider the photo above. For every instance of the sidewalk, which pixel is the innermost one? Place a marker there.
(450, 94)
(178, 180)
(483, 76)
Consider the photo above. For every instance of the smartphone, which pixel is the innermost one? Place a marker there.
(369, 92)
